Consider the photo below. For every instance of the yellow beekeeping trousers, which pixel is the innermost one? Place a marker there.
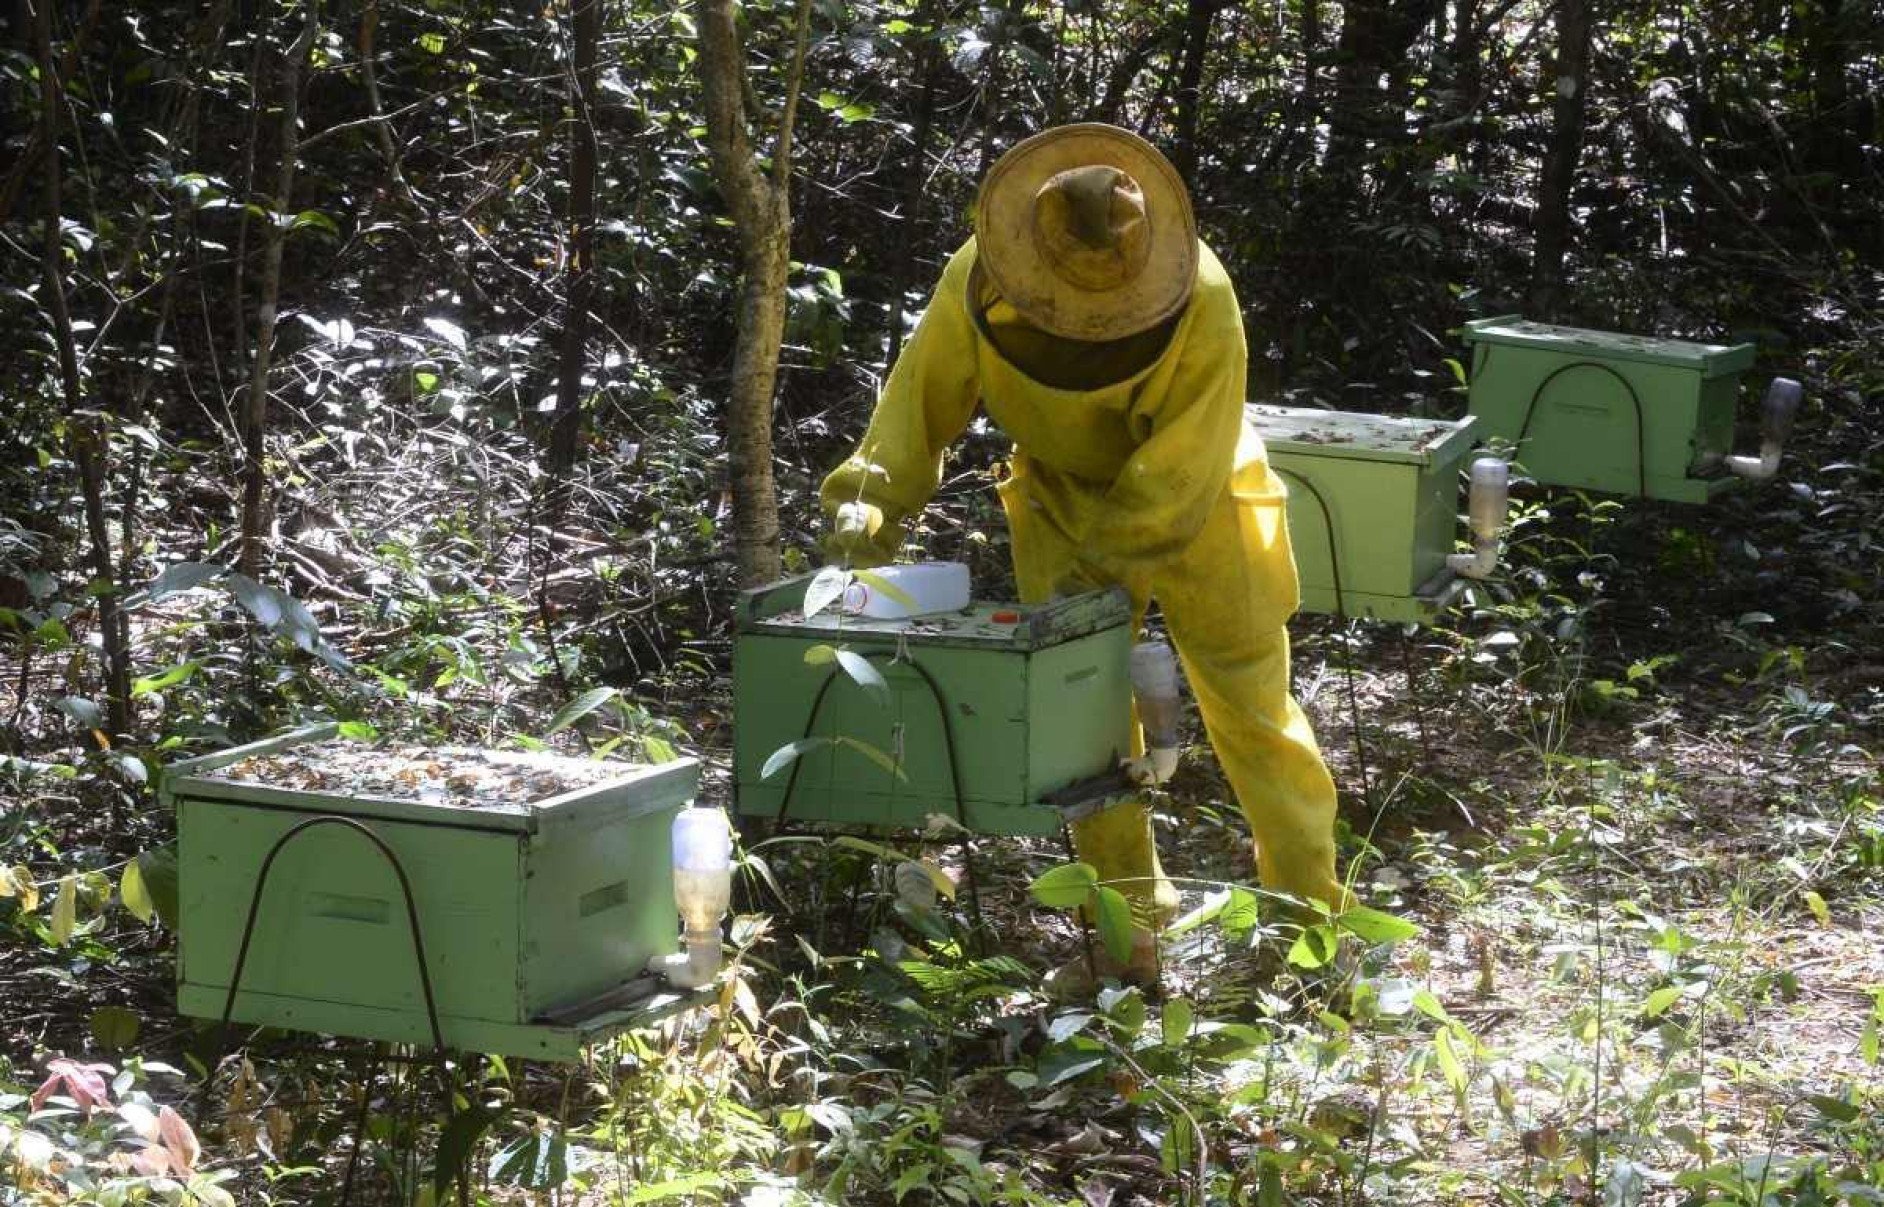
(1226, 599)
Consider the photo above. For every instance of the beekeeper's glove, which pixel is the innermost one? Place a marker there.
(852, 542)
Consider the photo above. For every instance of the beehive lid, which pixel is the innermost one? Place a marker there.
(314, 769)
(1710, 360)
(982, 625)
(1309, 432)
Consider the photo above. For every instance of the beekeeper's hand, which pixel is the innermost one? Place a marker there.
(1156, 767)
(853, 529)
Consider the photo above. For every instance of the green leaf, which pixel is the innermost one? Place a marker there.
(880, 757)
(157, 868)
(1449, 1066)
(1175, 1026)
(1065, 1026)
(315, 219)
(1242, 913)
(1375, 926)
(135, 896)
(874, 849)
(579, 708)
(1659, 1001)
(1211, 908)
(432, 43)
(883, 586)
(1074, 1058)
(820, 654)
(357, 731)
(114, 1027)
(65, 910)
(1427, 1004)
(456, 1142)
(944, 883)
(169, 678)
(1065, 887)
(1314, 947)
(864, 674)
(788, 753)
(1113, 915)
(1178, 1149)
(535, 1161)
(1125, 1009)
(688, 1187)
(261, 602)
(1835, 1109)
(182, 576)
(83, 712)
(826, 587)
(916, 1175)
(1820, 910)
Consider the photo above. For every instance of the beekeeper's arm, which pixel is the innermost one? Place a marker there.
(926, 403)
(1192, 414)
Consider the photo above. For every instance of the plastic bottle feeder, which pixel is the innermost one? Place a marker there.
(484, 901)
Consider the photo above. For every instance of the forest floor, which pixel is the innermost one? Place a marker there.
(1630, 800)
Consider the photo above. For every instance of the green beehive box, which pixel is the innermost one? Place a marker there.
(1031, 700)
(527, 910)
(1622, 414)
(1374, 503)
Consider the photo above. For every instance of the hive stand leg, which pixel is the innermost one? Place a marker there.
(1418, 698)
(369, 1069)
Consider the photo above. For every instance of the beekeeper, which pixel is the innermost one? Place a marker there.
(1105, 339)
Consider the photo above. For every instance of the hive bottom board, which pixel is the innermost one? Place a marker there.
(561, 1042)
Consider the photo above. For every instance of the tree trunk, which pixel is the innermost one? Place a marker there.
(761, 211)
(255, 408)
(1376, 37)
(85, 427)
(1199, 15)
(566, 431)
(1569, 77)
(369, 79)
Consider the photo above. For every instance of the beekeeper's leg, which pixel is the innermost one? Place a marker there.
(1226, 600)
(1118, 841)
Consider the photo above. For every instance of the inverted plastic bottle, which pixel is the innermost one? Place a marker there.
(1155, 690)
(928, 587)
(703, 890)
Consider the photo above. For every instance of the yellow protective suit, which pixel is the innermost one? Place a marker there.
(1152, 480)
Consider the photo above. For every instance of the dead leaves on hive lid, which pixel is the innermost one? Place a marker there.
(443, 775)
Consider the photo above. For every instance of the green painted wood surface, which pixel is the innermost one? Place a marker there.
(560, 901)
(1583, 425)
(1376, 496)
(542, 1041)
(1033, 704)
